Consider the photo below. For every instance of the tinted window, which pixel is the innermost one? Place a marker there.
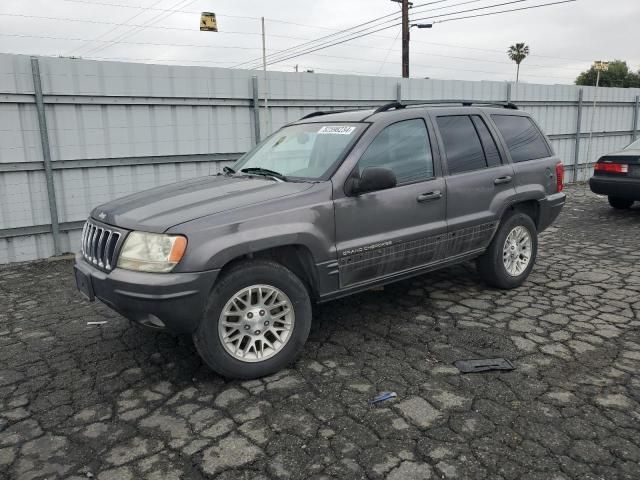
(404, 149)
(488, 143)
(522, 137)
(461, 144)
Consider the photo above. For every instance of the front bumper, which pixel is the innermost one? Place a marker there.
(171, 301)
(623, 187)
(550, 208)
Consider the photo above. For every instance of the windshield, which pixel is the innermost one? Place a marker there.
(633, 146)
(304, 151)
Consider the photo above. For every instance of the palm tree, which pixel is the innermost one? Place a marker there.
(518, 53)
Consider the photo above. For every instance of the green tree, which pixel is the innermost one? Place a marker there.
(518, 53)
(617, 75)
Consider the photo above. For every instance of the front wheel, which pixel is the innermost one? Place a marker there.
(511, 254)
(257, 321)
(620, 203)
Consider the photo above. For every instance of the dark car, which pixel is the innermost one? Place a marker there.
(617, 175)
(328, 206)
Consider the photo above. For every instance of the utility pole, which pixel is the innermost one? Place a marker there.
(599, 66)
(406, 5)
(266, 79)
(405, 38)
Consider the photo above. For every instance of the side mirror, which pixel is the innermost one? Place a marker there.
(373, 179)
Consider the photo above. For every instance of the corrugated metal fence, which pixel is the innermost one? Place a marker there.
(77, 133)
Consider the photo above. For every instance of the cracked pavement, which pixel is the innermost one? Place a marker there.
(114, 401)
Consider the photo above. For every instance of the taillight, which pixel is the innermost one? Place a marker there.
(612, 167)
(560, 176)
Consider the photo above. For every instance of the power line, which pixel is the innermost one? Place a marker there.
(391, 26)
(231, 33)
(94, 22)
(222, 15)
(444, 56)
(484, 60)
(114, 28)
(506, 11)
(341, 32)
(125, 35)
(233, 47)
(388, 52)
(392, 20)
(364, 32)
(77, 39)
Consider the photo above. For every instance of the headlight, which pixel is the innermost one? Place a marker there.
(151, 252)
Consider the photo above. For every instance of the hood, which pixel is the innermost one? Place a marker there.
(160, 208)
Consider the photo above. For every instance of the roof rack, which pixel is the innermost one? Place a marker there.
(329, 112)
(464, 103)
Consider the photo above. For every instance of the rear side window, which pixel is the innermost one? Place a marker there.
(404, 149)
(461, 144)
(523, 138)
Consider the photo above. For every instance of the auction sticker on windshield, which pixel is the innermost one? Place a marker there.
(337, 130)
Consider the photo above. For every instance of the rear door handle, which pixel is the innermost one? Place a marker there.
(501, 180)
(425, 197)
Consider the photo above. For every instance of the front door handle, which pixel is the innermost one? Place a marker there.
(501, 180)
(425, 197)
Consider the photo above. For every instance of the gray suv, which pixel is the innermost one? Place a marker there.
(330, 205)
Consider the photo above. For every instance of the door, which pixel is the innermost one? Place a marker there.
(384, 233)
(479, 182)
(531, 156)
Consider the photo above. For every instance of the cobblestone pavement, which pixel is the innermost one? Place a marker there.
(118, 402)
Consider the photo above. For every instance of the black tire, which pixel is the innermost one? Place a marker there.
(620, 203)
(207, 339)
(491, 266)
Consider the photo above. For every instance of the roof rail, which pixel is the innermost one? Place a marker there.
(464, 103)
(389, 106)
(329, 112)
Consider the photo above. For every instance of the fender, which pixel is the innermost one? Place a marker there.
(245, 242)
(307, 220)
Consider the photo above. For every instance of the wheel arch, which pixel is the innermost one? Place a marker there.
(530, 208)
(296, 257)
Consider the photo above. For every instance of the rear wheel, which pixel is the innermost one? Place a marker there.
(621, 203)
(511, 254)
(257, 321)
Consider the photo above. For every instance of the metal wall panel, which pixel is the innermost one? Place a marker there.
(19, 134)
(79, 190)
(117, 128)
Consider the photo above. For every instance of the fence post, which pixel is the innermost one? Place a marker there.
(576, 148)
(46, 154)
(634, 130)
(508, 91)
(255, 103)
(398, 92)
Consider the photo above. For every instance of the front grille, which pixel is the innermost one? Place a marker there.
(100, 244)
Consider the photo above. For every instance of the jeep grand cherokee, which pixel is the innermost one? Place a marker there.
(327, 206)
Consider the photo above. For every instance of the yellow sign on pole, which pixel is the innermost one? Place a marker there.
(601, 66)
(208, 22)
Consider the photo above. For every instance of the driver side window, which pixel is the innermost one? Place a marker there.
(403, 148)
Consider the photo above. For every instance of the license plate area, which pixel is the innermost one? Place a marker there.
(84, 285)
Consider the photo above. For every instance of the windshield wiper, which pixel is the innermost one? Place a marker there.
(264, 171)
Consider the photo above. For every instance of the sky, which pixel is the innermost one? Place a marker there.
(563, 39)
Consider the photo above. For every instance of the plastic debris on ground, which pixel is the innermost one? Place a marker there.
(483, 365)
(383, 397)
